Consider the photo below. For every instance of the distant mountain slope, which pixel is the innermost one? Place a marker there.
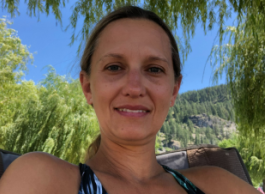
(211, 121)
(203, 116)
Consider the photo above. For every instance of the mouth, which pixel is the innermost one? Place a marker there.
(132, 111)
(128, 110)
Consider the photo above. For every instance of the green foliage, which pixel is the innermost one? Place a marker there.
(244, 62)
(158, 144)
(197, 138)
(169, 149)
(252, 156)
(184, 137)
(52, 117)
(190, 125)
(14, 57)
(179, 127)
(211, 100)
(175, 13)
(60, 122)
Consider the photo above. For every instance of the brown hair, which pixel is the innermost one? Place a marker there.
(131, 12)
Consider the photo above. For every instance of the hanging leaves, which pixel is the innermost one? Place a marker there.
(52, 116)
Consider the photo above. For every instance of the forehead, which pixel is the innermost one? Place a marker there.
(134, 36)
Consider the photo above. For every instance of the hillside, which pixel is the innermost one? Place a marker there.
(203, 116)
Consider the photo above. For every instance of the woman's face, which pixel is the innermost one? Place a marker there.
(131, 84)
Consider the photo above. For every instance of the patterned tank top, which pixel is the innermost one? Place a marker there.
(90, 183)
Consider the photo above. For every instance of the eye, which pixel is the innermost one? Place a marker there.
(113, 68)
(155, 70)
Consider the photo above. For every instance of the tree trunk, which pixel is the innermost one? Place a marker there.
(263, 185)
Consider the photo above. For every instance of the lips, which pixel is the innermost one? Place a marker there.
(132, 111)
(132, 108)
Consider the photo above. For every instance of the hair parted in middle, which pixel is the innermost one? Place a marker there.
(131, 12)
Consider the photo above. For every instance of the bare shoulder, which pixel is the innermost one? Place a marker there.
(39, 172)
(212, 179)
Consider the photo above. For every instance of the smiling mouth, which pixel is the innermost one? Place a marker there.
(132, 111)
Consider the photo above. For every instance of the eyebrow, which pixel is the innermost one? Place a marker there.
(156, 58)
(113, 55)
(119, 56)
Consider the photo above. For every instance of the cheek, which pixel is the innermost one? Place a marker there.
(163, 91)
(103, 92)
(161, 98)
(100, 85)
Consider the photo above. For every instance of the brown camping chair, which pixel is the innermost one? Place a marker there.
(206, 155)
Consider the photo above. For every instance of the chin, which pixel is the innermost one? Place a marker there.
(135, 136)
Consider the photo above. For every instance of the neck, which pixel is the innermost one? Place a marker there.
(126, 161)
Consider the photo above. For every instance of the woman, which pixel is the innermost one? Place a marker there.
(131, 76)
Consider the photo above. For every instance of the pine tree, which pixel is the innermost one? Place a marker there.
(197, 138)
(190, 126)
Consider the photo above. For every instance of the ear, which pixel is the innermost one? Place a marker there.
(86, 86)
(175, 90)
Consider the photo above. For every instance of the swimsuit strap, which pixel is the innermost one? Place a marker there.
(183, 181)
(90, 183)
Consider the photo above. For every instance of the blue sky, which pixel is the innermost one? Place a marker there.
(50, 45)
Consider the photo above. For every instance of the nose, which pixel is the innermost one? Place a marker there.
(134, 84)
